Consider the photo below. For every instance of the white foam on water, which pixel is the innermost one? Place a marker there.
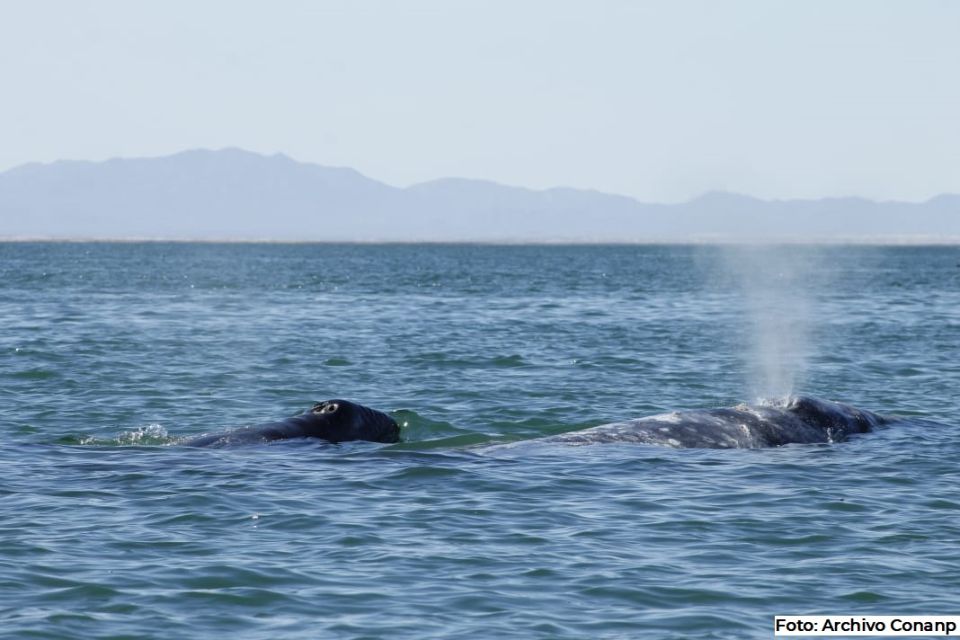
(149, 434)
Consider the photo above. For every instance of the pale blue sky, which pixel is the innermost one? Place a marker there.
(657, 100)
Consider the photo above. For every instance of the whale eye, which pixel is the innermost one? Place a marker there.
(330, 408)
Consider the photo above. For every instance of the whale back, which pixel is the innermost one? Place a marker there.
(795, 419)
(332, 420)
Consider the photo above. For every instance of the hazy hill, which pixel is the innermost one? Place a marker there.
(235, 194)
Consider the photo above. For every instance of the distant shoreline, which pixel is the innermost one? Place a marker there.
(231, 195)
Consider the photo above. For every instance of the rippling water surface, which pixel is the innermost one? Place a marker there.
(109, 353)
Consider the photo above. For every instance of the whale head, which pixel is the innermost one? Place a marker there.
(341, 421)
(833, 416)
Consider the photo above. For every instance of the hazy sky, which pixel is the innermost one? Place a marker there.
(658, 100)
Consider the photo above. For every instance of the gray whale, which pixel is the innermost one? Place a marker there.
(795, 419)
(331, 420)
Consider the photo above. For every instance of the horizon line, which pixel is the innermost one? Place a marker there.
(914, 240)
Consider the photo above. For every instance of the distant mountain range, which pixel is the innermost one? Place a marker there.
(233, 194)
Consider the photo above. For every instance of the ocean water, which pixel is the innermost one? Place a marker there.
(111, 353)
